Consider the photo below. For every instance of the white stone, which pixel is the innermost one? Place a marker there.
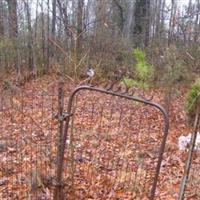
(184, 142)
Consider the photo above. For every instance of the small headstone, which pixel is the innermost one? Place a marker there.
(184, 142)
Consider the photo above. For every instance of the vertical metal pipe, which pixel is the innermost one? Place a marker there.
(190, 153)
(58, 194)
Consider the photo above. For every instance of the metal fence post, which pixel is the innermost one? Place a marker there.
(58, 193)
(190, 153)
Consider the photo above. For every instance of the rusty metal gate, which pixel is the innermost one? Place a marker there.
(111, 145)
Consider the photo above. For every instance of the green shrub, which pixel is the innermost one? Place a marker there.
(143, 71)
(191, 99)
(129, 82)
(140, 56)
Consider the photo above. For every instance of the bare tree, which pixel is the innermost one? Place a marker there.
(142, 23)
(81, 26)
(30, 37)
(158, 18)
(13, 23)
(117, 7)
(172, 21)
(129, 21)
(13, 30)
(197, 23)
(1, 18)
(53, 28)
(79, 36)
(162, 26)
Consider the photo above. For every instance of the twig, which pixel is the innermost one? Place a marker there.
(82, 59)
(191, 57)
(63, 51)
(58, 46)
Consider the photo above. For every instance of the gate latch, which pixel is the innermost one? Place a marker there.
(62, 117)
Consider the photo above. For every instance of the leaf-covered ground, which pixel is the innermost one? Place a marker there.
(114, 145)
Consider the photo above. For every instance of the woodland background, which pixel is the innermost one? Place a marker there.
(67, 36)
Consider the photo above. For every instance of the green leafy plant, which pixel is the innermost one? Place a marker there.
(143, 71)
(129, 82)
(191, 99)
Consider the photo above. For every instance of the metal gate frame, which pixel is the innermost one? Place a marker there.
(58, 193)
(191, 149)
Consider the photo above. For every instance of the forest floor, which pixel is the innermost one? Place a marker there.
(32, 122)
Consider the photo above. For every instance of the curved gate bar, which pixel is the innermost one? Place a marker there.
(58, 191)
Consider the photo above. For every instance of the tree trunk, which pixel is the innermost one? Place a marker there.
(13, 23)
(1, 19)
(189, 13)
(79, 36)
(43, 38)
(47, 40)
(171, 25)
(118, 15)
(64, 18)
(53, 28)
(13, 30)
(142, 22)
(128, 27)
(30, 38)
(162, 17)
(196, 25)
(158, 19)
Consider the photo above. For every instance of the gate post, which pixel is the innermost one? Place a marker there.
(191, 150)
(58, 193)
